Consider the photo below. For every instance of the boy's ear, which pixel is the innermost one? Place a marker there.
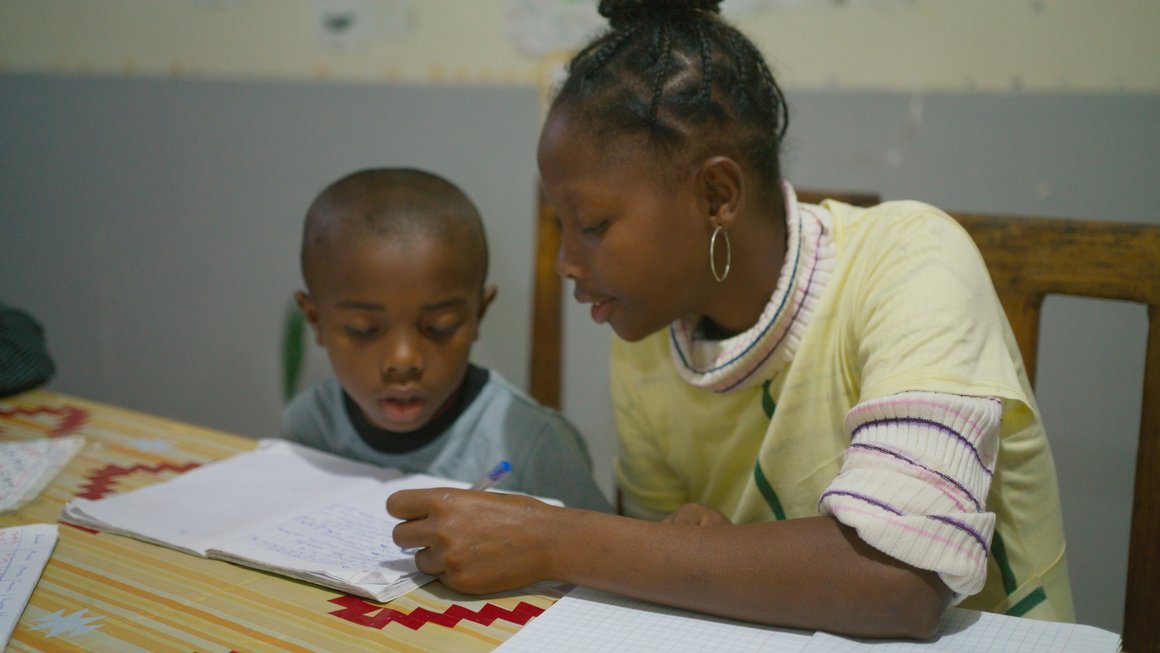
(485, 300)
(306, 305)
(721, 182)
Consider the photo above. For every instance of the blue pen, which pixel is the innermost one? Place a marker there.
(494, 475)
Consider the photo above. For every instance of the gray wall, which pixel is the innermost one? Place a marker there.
(153, 227)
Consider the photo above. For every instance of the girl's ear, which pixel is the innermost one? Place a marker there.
(308, 308)
(722, 185)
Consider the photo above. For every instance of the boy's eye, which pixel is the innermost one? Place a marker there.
(443, 330)
(361, 332)
(596, 229)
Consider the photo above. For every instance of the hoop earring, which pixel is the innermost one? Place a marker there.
(713, 254)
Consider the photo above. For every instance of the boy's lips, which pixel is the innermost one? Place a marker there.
(402, 409)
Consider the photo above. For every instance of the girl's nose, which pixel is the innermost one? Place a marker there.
(567, 263)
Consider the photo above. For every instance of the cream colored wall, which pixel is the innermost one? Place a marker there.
(967, 45)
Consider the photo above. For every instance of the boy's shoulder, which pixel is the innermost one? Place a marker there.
(500, 395)
(314, 411)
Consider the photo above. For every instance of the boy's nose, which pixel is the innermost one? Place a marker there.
(402, 359)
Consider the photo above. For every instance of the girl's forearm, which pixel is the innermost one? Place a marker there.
(809, 573)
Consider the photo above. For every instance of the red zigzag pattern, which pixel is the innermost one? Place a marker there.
(70, 417)
(101, 480)
(358, 611)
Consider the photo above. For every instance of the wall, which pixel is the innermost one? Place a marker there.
(929, 45)
(155, 159)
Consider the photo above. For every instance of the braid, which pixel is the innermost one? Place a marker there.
(706, 92)
(663, 58)
(673, 71)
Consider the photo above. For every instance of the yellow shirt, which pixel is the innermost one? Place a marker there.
(907, 306)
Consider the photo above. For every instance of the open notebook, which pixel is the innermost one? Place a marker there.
(283, 508)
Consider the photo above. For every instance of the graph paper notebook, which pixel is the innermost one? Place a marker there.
(591, 621)
(283, 508)
(968, 631)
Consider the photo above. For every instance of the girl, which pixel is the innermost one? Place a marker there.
(825, 401)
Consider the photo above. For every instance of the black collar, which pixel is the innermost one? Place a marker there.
(396, 443)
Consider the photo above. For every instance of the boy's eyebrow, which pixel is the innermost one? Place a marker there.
(369, 306)
(364, 306)
(446, 303)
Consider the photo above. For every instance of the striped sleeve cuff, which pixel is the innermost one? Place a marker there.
(915, 478)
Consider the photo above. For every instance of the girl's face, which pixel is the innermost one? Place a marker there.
(637, 247)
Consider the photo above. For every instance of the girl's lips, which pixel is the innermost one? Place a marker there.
(601, 311)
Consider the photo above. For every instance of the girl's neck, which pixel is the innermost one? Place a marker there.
(759, 247)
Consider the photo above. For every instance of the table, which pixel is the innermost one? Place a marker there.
(103, 592)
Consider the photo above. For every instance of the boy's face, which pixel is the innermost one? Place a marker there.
(398, 322)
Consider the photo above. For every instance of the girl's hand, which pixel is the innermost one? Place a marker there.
(697, 514)
(475, 542)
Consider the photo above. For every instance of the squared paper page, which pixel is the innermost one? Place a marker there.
(349, 540)
(28, 466)
(969, 631)
(24, 550)
(591, 621)
(216, 502)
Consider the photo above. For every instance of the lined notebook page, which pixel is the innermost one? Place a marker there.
(591, 621)
(967, 631)
(24, 551)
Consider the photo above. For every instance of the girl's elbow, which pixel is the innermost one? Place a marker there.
(926, 607)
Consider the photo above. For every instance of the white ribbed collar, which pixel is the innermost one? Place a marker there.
(760, 352)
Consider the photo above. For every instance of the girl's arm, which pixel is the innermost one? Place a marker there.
(810, 573)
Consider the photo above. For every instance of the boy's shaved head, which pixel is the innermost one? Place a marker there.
(399, 204)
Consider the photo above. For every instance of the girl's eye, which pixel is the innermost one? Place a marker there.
(596, 229)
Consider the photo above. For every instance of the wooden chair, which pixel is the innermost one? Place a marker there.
(1029, 258)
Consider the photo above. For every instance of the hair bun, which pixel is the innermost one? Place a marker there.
(621, 13)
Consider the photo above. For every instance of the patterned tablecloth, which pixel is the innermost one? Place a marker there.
(103, 592)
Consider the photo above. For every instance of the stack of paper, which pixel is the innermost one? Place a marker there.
(28, 466)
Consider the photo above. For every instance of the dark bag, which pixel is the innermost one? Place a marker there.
(24, 360)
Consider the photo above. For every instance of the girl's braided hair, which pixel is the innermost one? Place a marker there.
(673, 71)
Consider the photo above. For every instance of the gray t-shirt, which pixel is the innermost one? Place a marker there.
(548, 456)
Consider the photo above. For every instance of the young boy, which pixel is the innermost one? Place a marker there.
(395, 264)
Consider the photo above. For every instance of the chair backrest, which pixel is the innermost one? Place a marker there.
(1029, 258)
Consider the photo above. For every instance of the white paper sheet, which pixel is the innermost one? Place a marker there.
(24, 550)
(28, 466)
